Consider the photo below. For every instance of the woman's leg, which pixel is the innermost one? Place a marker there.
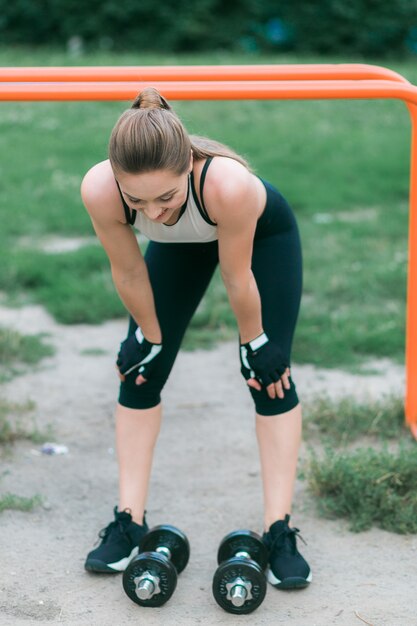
(179, 275)
(277, 266)
(136, 433)
(278, 440)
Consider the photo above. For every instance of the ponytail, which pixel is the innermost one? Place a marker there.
(150, 98)
(203, 148)
(149, 136)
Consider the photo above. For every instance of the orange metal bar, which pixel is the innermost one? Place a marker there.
(288, 83)
(347, 71)
(207, 90)
(411, 320)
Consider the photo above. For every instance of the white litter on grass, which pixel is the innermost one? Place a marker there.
(53, 448)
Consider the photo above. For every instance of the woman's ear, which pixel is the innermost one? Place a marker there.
(191, 162)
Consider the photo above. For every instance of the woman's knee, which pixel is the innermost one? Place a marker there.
(267, 406)
(144, 396)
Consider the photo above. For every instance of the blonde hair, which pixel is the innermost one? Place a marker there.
(150, 136)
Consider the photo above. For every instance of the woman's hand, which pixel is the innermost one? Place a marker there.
(137, 353)
(263, 364)
(275, 390)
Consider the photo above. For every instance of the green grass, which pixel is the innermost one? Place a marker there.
(368, 487)
(341, 422)
(63, 283)
(343, 165)
(18, 351)
(93, 352)
(17, 422)
(18, 503)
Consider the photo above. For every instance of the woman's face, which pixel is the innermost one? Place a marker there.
(159, 195)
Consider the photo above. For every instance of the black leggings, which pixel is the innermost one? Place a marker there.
(180, 274)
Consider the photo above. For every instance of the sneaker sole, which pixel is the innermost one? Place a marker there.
(95, 565)
(292, 582)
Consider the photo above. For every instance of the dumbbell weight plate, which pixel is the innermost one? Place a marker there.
(231, 570)
(243, 541)
(171, 538)
(160, 568)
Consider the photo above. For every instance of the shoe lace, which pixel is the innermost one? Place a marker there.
(290, 533)
(118, 526)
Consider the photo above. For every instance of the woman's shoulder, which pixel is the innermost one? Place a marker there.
(227, 183)
(99, 190)
(221, 166)
(221, 174)
(98, 178)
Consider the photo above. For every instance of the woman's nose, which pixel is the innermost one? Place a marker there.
(153, 212)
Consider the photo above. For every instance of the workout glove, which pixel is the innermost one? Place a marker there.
(263, 360)
(137, 352)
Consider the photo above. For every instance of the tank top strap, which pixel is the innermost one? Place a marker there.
(130, 216)
(202, 180)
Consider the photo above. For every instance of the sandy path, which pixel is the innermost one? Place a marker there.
(205, 480)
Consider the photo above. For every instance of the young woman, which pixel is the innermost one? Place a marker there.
(199, 204)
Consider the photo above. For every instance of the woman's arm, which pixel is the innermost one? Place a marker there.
(129, 272)
(238, 204)
(235, 201)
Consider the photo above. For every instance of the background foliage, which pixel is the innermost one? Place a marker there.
(324, 26)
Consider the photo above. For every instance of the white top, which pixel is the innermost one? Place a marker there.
(193, 224)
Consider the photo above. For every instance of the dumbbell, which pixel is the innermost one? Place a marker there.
(150, 578)
(239, 583)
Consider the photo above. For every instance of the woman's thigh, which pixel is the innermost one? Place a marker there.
(277, 267)
(179, 275)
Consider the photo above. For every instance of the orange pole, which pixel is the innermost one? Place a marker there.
(347, 71)
(199, 90)
(411, 320)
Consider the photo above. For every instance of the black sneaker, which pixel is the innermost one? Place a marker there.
(120, 544)
(287, 568)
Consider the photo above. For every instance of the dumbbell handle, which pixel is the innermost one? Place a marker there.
(243, 555)
(164, 551)
(145, 590)
(239, 591)
(238, 595)
(148, 586)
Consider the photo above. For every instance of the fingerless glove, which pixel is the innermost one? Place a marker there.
(136, 352)
(262, 359)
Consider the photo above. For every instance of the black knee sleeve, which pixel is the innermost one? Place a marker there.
(266, 406)
(143, 396)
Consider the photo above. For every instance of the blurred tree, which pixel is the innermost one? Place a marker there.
(323, 26)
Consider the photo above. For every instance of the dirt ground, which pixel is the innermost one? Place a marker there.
(205, 481)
